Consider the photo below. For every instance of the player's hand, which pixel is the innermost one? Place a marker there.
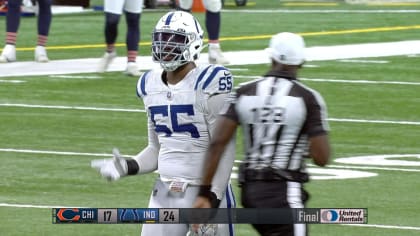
(202, 202)
(203, 230)
(113, 168)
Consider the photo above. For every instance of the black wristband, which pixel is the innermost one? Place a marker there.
(205, 191)
(132, 167)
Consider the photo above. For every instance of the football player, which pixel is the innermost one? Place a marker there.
(113, 10)
(182, 101)
(213, 22)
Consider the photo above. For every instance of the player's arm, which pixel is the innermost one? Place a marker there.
(147, 159)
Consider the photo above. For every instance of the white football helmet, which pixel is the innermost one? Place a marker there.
(176, 40)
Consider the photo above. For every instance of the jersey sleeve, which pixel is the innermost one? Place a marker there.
(147, 159)
(229, 110)
(316, 121)
(214, 80)
(141, 84)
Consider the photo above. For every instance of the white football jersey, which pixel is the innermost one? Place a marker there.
(180, 117)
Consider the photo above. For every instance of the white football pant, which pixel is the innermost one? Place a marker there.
(162, 197)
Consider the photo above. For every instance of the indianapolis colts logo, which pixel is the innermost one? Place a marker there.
(129, 215)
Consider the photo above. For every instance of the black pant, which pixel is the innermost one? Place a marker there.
(269, 194)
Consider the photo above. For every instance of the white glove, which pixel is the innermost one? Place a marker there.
(204, 230)
(113, 168)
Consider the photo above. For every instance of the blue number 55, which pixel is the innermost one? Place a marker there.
(173, 114)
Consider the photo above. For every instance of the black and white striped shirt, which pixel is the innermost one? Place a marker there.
(277, 114)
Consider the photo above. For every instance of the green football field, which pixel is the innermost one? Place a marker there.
(52, 126)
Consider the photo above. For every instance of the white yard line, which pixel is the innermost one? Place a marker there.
(250, 77)
(364, 61)
(57, 152)
(361, 81)
(321, 11)
(70, 107)
(12, 81)
(67, 153)
(375, 121)
(76, 76)
(367, 168)
(140, 110)
(16, 205)
(384, 226)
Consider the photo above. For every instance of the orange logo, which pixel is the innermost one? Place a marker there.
(62, 211)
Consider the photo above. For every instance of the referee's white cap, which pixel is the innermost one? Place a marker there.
(287, 48)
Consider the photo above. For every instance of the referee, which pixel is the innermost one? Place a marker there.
(283, 122)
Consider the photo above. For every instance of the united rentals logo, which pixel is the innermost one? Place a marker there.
(344, 216)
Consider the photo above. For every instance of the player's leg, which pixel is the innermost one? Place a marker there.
(185, 5)
(12, 25)
(133, 9)
(113, 10)
(263, 194)
(297, 197)
(44, 22)
(162, 197)
(213, 23)
(228, 201)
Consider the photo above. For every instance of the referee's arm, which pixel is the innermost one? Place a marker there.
(319, 149)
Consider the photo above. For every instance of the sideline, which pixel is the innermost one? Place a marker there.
(319, 53)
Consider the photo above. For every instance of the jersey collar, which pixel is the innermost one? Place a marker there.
(279, 74)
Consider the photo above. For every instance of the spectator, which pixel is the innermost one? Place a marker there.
(213, 24)
(12, 26)
(113, 10)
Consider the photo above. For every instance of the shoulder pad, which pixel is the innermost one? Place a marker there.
(214, 79)
(146, 81)
(141, 85)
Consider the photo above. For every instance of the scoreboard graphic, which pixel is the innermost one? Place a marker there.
(114, 215)
(214, 216)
